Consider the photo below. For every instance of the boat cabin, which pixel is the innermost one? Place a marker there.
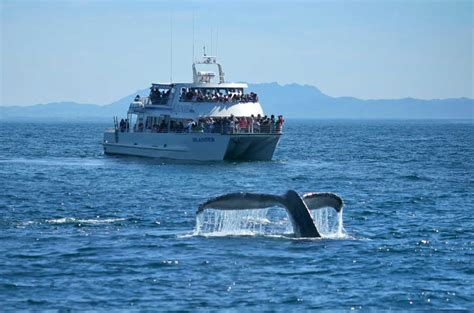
(178, 106)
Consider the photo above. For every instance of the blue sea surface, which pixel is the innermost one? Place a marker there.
(81, 230)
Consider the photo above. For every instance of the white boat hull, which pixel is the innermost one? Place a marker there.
(192, 146)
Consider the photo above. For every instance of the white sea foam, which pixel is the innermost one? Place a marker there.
(72, 220)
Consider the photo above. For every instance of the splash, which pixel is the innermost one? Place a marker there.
(329, 223)
(223, 223)
(264, 222)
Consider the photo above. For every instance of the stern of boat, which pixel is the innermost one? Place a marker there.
(252, 147)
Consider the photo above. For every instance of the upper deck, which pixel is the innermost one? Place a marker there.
(201, 98)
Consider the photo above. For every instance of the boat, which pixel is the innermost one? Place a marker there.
(203, 120)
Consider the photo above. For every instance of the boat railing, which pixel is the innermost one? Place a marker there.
(272, 128)
(224, 130)
(191, 96)
(144, 101)
(147, 101)
(219, 101)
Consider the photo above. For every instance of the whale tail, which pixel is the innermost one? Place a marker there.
(297, 207)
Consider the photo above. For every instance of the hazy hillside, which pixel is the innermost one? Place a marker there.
(293, 101)
(308, 101)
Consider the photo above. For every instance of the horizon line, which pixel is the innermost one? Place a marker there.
(263, 83)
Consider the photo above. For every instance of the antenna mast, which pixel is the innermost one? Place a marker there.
(217, 39)
(171, 49)
(193, 36)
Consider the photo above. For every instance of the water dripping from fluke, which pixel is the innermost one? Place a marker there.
(312, 215)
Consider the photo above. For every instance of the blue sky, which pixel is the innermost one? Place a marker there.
(99, 51)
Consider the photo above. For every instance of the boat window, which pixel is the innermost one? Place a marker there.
(150, 121)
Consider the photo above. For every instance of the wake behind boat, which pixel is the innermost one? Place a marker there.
(202, 120)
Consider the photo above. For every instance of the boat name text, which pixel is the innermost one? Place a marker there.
(203, 139)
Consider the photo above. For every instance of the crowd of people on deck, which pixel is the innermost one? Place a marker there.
(200, 95)
(124, 125)
(213, 95)
(231, 124)
(156, 96)
(249, 124)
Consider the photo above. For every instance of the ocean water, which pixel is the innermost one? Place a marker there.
(80, 230)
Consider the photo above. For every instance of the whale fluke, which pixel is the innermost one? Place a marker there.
(297, 207)
(318, 200)
(242, 201)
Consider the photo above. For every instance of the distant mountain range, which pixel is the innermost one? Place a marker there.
(293, 101)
